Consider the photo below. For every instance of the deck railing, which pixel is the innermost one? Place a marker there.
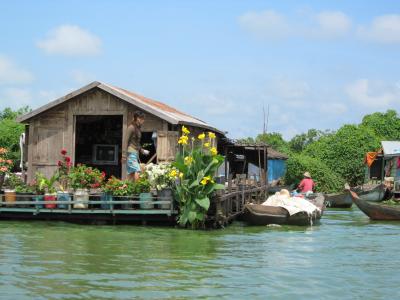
(228, 204)
(124, 205)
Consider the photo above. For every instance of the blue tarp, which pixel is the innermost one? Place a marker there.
(276, 169)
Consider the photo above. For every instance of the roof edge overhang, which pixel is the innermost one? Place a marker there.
(24, 118)
(113, 91)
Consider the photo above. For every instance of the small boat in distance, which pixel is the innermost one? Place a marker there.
(376, 211)
(257, 214)
(339, 200)
(375, 193)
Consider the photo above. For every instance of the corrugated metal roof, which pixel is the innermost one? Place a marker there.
(391, 148)
(160, 109)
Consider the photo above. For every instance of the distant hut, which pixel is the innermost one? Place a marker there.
(90, 123)
(276, 164)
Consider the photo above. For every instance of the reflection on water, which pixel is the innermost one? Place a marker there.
(345, 257)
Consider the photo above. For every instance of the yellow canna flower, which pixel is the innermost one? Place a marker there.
(180, 175)
(185, 130)
(213, 151)
(206, 179)
(201, 136)
(188, 160)
(207, 145)
(173, 173)
(211, 135)
(183, 140)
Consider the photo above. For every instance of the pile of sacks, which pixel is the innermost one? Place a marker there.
(293, 205)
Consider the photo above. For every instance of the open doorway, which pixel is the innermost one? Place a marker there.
(98, 142)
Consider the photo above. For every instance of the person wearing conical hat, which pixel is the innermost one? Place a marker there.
(306, 184)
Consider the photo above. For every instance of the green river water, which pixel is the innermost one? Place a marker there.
(345, 257)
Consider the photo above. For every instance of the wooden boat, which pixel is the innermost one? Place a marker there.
(339, 200)
(374, 194)
(257, 214)
(376, 211)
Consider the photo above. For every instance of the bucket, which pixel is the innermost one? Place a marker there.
(105, 198)
(165, 195)
(10, 197)
(63, 197)
(81, 197)
(38, 198)
(146, 198)
(50, 197)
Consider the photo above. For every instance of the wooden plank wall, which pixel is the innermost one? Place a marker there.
(54, 129)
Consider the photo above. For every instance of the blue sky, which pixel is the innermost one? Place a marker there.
(316, 64)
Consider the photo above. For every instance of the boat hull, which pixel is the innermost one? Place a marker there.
(339, 200)
(376, 211)
(374, 195)
(257, 214)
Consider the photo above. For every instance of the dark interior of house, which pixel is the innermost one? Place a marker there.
(99, 143)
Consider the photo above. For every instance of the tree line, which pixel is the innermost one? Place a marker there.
(334, 157)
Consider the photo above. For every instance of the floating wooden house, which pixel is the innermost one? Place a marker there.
(90, 123)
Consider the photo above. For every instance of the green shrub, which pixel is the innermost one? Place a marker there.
(326, 180)
(344, 151)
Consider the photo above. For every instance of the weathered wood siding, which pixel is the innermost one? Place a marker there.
(54, 129)
(167, 145)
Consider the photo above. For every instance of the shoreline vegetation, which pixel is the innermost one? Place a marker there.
(332, 157)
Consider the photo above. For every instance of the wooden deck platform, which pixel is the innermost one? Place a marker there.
(35, 210)
(225, 207)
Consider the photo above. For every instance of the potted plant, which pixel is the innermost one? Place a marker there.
(39, 188)
(82, 178)
(159, 179)
(142, 187)
(64, 166)
(50, 190)
(5, 165)
(23, 193)
(10, 195)
(117, 189)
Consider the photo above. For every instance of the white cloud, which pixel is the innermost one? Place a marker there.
(333, 23)
(10, 73)
(70, 40)
(15, 97)
(372, 94)
(265, 24)
(271, 24)
(383, 29)
(82, 77)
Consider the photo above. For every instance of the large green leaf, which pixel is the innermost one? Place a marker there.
(192, 216)
(204, 202)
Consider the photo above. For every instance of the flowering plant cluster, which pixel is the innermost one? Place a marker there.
(64, 166)
(118, 187)
(5, 163)
(195, 166)
(159, 175)
(84, 177)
